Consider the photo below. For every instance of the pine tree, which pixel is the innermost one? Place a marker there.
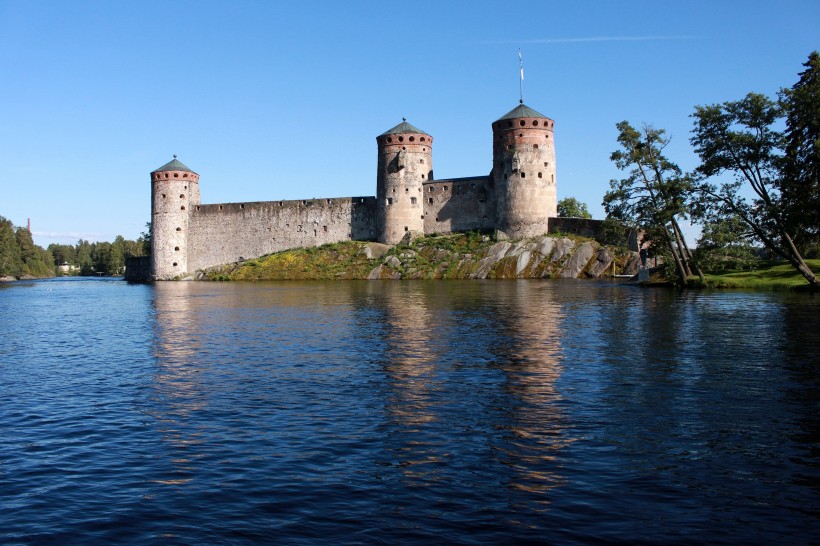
(800, 184)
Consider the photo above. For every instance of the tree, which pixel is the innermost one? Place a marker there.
(11, 263)
(653, 196)
(725, 243)
(35, 261)
(569, 207)
(800, 183)
(738, 138)
(84, 260)
(146, 237)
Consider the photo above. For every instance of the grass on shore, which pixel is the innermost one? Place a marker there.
(768, 275)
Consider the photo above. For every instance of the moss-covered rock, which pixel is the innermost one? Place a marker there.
(458, 256)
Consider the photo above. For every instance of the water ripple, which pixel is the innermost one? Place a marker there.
(476, 412)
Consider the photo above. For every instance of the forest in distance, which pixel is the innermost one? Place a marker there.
(21, 258)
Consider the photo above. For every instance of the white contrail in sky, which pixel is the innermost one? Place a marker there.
(596, 39)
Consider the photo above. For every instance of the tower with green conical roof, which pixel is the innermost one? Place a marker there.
(174, 190)
(524, 173)
(405, 163)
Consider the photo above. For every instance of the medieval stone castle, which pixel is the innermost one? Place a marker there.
(517, 199)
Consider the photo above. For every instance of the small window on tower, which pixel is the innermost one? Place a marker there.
(412, 200)
(389, 200)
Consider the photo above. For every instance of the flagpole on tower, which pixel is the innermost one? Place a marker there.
(521, 81)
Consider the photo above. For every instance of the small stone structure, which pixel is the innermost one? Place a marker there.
(517, 199)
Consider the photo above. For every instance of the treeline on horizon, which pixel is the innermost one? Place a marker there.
(20, 257)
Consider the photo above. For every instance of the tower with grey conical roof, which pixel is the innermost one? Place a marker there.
(174, 190)
(405, 163)
(524, 173)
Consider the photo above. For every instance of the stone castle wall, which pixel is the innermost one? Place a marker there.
(459, 204)
(220, 234)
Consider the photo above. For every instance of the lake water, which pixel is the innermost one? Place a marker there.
(406, 412)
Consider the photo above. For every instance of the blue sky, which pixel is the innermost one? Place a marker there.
(283, 100)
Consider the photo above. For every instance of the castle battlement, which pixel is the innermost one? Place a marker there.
(516, 200)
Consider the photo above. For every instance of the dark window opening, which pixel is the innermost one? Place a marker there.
(539, 175)
(412, 200)
(175, 264)
(176, 248)
(179, 229)
(522, 175)
(389, 200)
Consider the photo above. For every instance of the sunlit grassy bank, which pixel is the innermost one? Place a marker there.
(768, 275)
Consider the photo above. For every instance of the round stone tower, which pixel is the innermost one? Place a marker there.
(524, 173)
(405, 163)
(174, 190)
